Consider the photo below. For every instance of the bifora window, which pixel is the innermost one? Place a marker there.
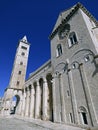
(59, 50)
(72, 39)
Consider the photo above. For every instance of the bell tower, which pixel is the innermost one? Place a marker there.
(20, 64)
(17, 80)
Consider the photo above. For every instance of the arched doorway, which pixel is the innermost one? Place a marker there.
(14, 104)
(83, 115)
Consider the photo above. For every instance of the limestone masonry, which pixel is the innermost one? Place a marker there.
(65, 88)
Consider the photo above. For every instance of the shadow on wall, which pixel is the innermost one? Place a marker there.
(96, 66)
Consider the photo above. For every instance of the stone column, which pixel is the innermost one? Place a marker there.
(20, 103)
(32, 102)
(45, 98)
(54, 99)
(63, 111)
(27, 103)
(38, 99)
(19, 108)
(23, 103)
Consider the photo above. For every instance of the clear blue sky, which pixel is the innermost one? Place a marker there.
(35, 19)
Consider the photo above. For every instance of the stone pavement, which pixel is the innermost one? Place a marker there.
(19, 123)
(47, 125)
(16, 124)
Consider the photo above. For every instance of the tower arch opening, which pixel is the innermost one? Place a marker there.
(15, 104)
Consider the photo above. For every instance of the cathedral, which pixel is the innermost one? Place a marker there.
(65, 88)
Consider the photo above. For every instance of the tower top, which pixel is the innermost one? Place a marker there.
(24, 39)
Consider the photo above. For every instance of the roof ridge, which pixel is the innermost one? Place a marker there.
(77, 4)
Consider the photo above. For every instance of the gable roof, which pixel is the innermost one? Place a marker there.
(66, 15)
(62, 16)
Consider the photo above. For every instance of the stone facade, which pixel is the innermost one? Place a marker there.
(65, 88)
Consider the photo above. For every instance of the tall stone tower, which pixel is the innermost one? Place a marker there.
(17, 79)
(20, 64)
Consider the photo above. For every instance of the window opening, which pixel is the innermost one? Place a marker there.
(22, 53)
(19, 72)
(17, 83)
(21, 63)
(84, 117)
(86, 59)
(71, 119)
(72, 39)
(73, 66)
(68, 93)
(59, 50)
(23, 47)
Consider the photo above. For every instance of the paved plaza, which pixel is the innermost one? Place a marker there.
(17, 123)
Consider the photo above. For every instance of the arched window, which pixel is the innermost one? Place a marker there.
(72, 39)
(59, 50)
(83, 115)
